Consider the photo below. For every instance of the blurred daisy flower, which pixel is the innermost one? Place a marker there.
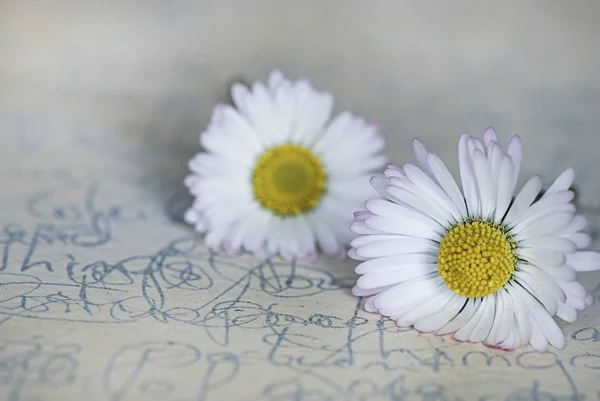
(277, 176)
(481, 263)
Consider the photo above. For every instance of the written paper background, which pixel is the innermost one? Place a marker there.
(106, 295)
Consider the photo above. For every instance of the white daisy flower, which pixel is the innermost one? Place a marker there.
(481, 263)
(277, 175)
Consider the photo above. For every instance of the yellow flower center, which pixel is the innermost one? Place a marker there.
(288, 180)
(476, 259)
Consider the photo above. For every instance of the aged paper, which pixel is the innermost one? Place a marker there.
(105, 295)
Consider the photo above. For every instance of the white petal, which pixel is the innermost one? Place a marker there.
(403, 295)
(543, 257)
(426, 309)
(397, 246)
(324, 236)
(503, 320)
(465, 332)
(489, 138)
(521, 314)
(548, 224)
(425, 183)
(467, 176)
(505, 189)
(549, 204)
(406, 196)
(525, 197)
(538, 340)
(442, 316)
(553, 243)
(386, 208)
(483, 327)
(466, 314)
(364, 292)
(566, 312)
(421, 155)
(541, 290)
(548, 326)
(581, 240)
(515, 151)
(562, 183)
(395, 225)
(486, 189)
(447, 182)
(584, 261)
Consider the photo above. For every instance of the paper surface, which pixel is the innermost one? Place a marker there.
(105, 295)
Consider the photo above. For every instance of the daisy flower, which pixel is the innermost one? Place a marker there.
(482, 263)
(278, 175)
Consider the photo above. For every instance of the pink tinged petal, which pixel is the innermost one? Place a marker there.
(367, 292)
(467, 176)
(546, 225)
(562, 183)
(521, 314)
(515, 151)
(442, 316)
(254, 240)
(397, 246)
(426, 184)
(556, 244)
(512, 342)
(584, 261)
(486, 189)
(543, 257)
(426, 309)
(489, 138)
(466, 332)
(589, 300)
(581, 240)
(525, 197)
(447, 182)
(505, 189)
(421, 155)
(464, 316)
(555, 202)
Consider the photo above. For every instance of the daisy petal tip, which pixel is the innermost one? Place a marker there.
(589, 300)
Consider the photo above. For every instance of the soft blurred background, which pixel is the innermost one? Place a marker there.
(93, 82)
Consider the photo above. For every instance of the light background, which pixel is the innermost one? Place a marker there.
(141, 77)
